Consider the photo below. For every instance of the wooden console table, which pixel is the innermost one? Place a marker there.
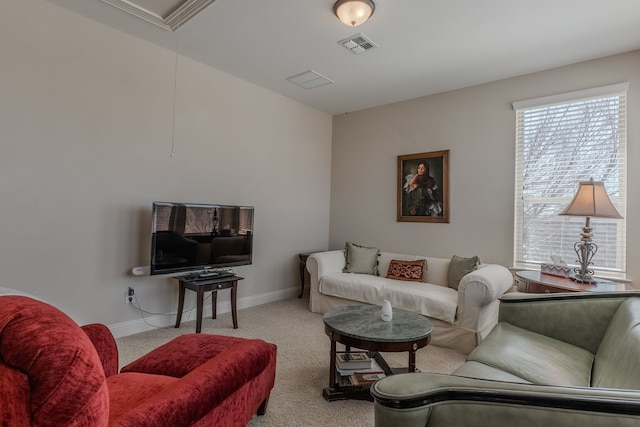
(302, 257)
(213, 285)
(533, 281)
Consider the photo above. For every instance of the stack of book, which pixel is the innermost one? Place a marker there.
(358, 367)
(361, 378)
(351, 360)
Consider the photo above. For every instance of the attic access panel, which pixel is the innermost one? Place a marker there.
(167, 14)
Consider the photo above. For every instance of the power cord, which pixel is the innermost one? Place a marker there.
(136, 305)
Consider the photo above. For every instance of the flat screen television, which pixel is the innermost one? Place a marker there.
(191, 238)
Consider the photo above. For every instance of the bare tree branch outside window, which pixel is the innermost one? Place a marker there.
(561, 146)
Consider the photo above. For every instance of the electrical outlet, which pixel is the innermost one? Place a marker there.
(129, 297)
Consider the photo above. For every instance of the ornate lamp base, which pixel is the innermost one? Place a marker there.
(583, 278)
(585, 249)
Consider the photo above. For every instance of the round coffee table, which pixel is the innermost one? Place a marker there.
(360, 326)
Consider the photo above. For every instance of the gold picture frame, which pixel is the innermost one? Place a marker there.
(423, 187)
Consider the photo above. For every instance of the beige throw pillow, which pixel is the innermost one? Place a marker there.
(460, 267)
(361, 259)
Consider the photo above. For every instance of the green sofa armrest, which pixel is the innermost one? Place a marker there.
(434, 399)
(584, 316)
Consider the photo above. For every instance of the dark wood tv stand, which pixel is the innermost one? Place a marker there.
(213, 285)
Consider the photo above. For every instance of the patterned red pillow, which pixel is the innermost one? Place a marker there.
(407, 270)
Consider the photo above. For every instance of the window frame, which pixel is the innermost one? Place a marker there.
(620, 200)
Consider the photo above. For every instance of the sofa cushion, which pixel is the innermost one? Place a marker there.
(360, 259)
(407, 270)
(427, 299)
(460, 267)
(129, 390)
(183, 354)
(616, 362)
(534, 357)
(430, 300)
(471, 369)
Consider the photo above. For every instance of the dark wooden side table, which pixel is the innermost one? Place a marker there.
(213, 285)
(361, 327)
(303, 265)
(532, 281)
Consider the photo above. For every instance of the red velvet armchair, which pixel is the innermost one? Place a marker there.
(55, 373)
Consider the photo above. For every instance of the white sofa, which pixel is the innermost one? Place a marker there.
(461, 318)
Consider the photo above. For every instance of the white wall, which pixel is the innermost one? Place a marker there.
(477, 125)
(86, 143)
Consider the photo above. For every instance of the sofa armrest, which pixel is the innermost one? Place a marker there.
(105, 346)
(584, 316)
(321, 264)
(435, 399)
(480, 288)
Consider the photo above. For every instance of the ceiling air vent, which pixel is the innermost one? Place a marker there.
(358, 44)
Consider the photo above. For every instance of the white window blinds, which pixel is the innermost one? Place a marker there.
(560, 141)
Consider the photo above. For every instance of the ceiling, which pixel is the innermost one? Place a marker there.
(423, 46)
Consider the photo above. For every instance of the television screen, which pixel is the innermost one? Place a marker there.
(195, 237)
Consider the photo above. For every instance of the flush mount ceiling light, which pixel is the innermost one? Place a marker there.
(354, 12)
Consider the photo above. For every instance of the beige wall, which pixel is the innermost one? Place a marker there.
(86, 140)
(477, 125)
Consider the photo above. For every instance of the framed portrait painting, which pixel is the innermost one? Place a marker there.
(423, 187)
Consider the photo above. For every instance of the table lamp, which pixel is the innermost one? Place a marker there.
(591, 200)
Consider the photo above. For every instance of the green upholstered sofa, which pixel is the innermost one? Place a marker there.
(552, 360)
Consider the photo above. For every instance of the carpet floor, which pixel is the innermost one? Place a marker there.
(302, 369)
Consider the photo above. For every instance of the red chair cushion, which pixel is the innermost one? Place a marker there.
(183, 354)
(129, 390)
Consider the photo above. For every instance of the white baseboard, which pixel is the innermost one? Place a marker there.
(150, 322)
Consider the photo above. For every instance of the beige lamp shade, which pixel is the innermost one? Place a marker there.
(591, 200)
(354, 12)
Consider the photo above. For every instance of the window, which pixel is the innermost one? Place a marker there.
(560, 141)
